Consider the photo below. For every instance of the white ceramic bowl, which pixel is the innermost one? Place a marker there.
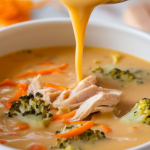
(59, 32)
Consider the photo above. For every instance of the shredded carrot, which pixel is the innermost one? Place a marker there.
(46, 63)
(7, 104)
(28, 73)
(59, 87)
(76, 122)
(64, 116)
(63, 66)
(134, 127)
(37, 147)
(1, 130)
(76, 131)
(3, 141)
(24, 87)
(44, 72)
(8, 82)
(106, 129)
(21, 126)
(22, 91)
(15, 11)
(52, 70)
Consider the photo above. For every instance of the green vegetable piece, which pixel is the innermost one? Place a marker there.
(119, 74)
(28, 105)
(98, 70)
(88, 136)
(140, 113)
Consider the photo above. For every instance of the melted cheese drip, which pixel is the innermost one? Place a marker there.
(80, 11)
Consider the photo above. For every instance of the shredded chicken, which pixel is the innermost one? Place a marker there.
(35, 85)
(49, 94)
(91, 104)
(86, 98)
(88, 81)
(85, 89)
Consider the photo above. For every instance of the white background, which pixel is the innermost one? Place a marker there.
(104, 12)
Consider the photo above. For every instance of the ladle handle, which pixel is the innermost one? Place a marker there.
(115, 1)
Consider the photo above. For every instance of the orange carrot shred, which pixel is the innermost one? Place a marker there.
(63, 66)
(8, 82)
(24, 87)
(46, 63)
(14, 11)
(52, 70)
(56, 70)
(106, 129)
(44, 72)
(37, 147)
(29, 73)
(22, 91)
(59, 87)
(134, 127)
(21, 126)
(2, 141)
(1, 130)
(76, 131)
(64, 116)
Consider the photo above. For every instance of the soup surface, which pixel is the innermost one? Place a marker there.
(123, 135)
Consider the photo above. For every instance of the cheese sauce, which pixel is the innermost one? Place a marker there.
(80, 11)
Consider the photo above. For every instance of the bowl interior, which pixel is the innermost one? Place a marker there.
(45, 33)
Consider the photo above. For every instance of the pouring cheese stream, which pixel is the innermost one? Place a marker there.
(80, 11)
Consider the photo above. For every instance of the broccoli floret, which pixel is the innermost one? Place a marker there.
(98, 70)
(88, 136)
(39, 95)
(28, 105)
(140, 112)
(119, 74)
(116, 73)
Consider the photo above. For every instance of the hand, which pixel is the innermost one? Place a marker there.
(138, 15)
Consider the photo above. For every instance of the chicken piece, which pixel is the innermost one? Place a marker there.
(64, 95)
(70, 107)
(91, 104)
(75, 101)
(113, 97)
(88, 81)
(81, 95)
(35, 85)
(49, 94)
(83, 91)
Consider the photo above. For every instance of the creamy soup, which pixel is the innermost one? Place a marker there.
(123, 135)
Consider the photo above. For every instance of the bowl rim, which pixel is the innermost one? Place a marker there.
(95, 22)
